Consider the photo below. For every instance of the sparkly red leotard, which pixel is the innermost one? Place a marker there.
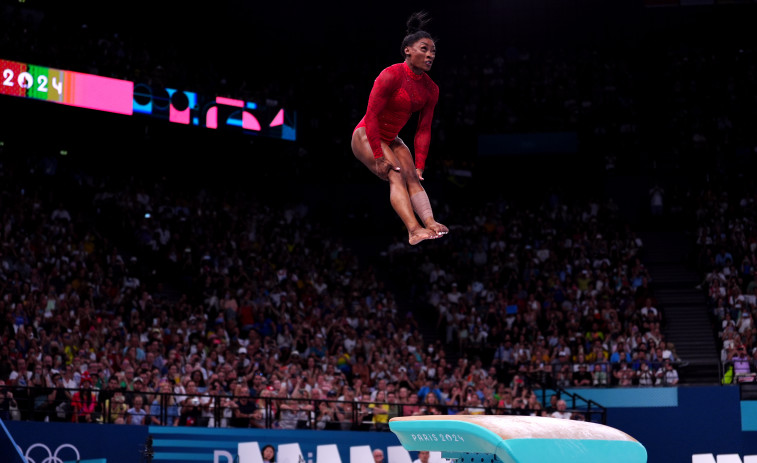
(397, 93)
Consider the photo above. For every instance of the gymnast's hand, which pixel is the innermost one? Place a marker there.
(420, 173)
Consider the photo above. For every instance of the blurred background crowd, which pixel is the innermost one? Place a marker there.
(269, 284)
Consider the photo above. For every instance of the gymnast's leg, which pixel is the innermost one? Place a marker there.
(416, 192)
(387, 168)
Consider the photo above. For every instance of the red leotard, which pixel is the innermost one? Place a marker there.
(397, 93)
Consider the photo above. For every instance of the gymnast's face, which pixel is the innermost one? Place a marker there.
(420, 55)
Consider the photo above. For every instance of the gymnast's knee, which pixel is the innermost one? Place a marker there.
(396, 178)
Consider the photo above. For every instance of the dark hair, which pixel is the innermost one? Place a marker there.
(272, 448)
(415, 24)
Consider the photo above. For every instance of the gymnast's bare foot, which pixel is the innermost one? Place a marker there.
(420, 234)
(437, 228)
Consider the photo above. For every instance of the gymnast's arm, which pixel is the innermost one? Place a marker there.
(423, 132)
(384, 86)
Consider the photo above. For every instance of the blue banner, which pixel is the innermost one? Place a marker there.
(8, 448)
(63, 442)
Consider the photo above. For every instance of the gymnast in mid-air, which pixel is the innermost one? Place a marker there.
(400, 90)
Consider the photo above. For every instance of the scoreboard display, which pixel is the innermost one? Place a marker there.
(139, 99)
(66, 87)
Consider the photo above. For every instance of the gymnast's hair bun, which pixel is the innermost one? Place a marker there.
(417, 21)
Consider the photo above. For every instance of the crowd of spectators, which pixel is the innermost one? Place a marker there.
(555, 290)
(229, 305)
(135, 303)
(726, 244)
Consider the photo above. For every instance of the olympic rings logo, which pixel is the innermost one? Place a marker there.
(51, 457)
